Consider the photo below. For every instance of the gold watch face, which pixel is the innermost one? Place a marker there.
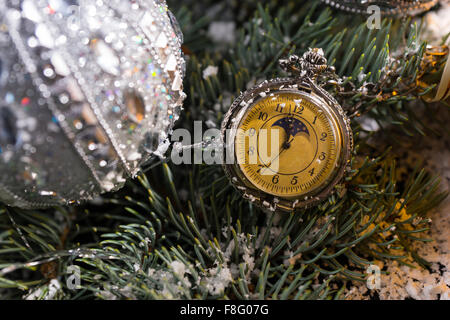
(288, 144)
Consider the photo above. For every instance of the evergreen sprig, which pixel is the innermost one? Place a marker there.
(183, 232)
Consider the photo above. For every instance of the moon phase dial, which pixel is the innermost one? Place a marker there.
(288, 144)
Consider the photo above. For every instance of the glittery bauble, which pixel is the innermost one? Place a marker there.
(89, 91)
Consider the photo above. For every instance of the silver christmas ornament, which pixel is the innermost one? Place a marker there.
(89, 91)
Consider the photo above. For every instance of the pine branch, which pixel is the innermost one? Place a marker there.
(174, 234)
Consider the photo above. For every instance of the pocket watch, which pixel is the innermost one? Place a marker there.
(288, 141)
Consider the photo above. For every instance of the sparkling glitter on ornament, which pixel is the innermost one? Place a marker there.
(89, 91)
(135, 106)
(8, 128)
(106, 57)
(1, 70)
(176, 27)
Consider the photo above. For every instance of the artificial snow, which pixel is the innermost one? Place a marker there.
(403, 282)
(210, 71)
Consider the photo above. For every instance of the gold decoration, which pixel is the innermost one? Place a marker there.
(435, 69)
